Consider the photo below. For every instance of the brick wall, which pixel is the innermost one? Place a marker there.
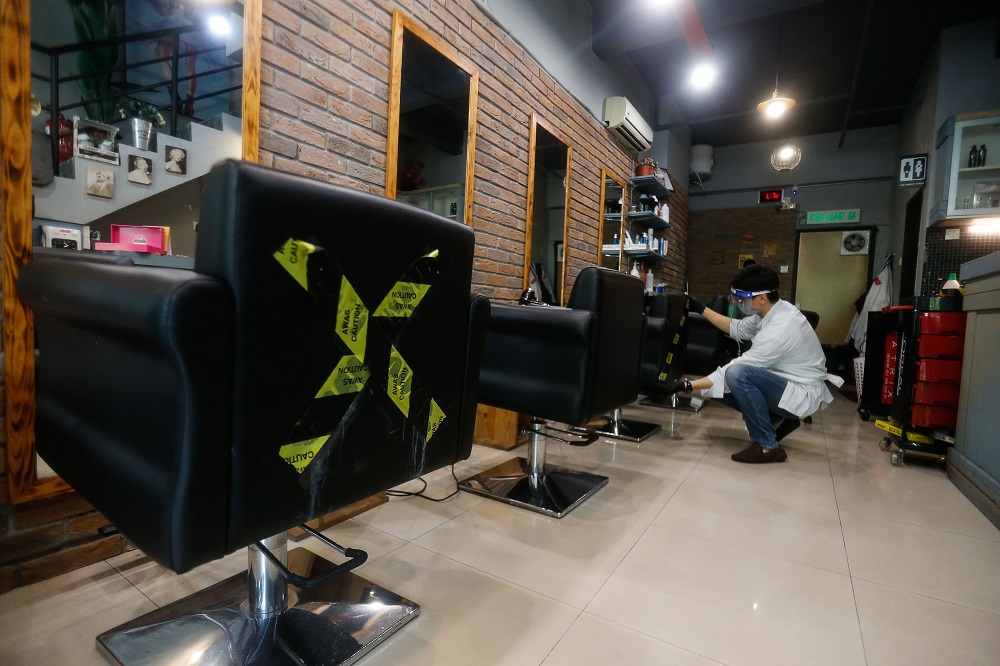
(718, 237)
(324, 113)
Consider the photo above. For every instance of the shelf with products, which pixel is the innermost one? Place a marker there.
(648, 216)
(973, 179)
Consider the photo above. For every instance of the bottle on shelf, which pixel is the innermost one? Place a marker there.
(973, 156)
(615, 241)
(635, 269)
(981, 158)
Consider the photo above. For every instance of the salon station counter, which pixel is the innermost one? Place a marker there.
(974, 461)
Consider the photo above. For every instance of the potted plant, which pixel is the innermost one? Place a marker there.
(144, 117)
(646, 167)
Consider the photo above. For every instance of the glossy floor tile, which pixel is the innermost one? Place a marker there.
(685, 557)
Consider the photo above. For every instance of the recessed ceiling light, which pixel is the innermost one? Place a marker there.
(703, 75)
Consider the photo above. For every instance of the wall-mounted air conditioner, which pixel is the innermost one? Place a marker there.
(626, 123)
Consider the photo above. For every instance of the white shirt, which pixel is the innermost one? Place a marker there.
(785, 344)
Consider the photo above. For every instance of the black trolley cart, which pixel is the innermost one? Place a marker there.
(927, 375)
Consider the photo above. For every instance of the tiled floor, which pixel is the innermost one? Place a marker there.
(685, 557)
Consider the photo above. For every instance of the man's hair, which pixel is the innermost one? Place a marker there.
(757, 278)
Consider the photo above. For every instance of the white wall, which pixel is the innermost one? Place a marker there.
(558, 34)
(65, 199)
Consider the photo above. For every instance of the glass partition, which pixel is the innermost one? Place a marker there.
(99, 87)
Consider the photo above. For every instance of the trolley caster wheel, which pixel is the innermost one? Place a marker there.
(864, 413)
(885, 444)
(896, 458)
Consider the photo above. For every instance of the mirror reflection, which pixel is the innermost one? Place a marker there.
(432, 113)
(119, 89)
(613, 205)
(547, 228)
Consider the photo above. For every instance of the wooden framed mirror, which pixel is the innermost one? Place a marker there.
(433, 97)
(23, 481)
(614, 203)
(550, 159)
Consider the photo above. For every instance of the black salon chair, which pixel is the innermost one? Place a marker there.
(660, 339)
(569, 365)
(665, 355)
(708, 348)
(294, 371)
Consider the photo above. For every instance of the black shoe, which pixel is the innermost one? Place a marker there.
(783, 427)
(756, 454)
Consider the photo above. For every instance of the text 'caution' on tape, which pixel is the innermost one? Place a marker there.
(294, 258)
(300, 454)
(352, 322)
(400, 382)
(350, 376)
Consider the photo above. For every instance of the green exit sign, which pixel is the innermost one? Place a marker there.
(847, 216)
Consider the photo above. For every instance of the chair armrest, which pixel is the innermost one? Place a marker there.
(135, 370)
(536, 359)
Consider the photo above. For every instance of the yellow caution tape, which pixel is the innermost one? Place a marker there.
(911, 436)
(435, 419)
(294, 258)
(402, 299)
(352, 319)
(889, 427)
(350, 376)
(677, 338)
(400, 382)
(683, 319)
(300, 454)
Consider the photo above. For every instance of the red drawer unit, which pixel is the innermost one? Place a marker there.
(941, 323)
(941, 346)
(932, 416)
(938, 370)
(926, 393)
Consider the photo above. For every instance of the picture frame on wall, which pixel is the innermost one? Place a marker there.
(140, 170)
(95, 141)
(175, 159)
(100, 182)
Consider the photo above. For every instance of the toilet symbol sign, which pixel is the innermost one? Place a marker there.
(912, 170)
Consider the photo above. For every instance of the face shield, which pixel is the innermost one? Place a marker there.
(741, 298)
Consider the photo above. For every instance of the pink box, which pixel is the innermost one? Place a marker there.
(155, 240)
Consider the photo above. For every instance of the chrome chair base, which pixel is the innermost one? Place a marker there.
(680, 403)
(555, 492)
(334, 623)
(628, 429)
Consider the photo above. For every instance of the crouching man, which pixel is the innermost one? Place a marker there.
(781, 379)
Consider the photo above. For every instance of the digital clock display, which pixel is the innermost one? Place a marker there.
(769, 196)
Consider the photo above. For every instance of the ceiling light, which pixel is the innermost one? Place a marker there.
(218, 25)
(776, 106)
(786, 157)
(703, 75)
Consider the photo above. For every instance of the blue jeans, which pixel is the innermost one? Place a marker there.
(755, 393)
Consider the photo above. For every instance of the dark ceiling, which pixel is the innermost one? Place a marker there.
(850, 64)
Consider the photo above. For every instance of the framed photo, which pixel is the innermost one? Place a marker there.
(140, 170)
(95, 141)
(176, 159)
(100, 182)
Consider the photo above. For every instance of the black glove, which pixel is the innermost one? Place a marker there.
(682, 385)
(694, 305)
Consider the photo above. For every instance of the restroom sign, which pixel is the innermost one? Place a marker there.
(912, 170)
